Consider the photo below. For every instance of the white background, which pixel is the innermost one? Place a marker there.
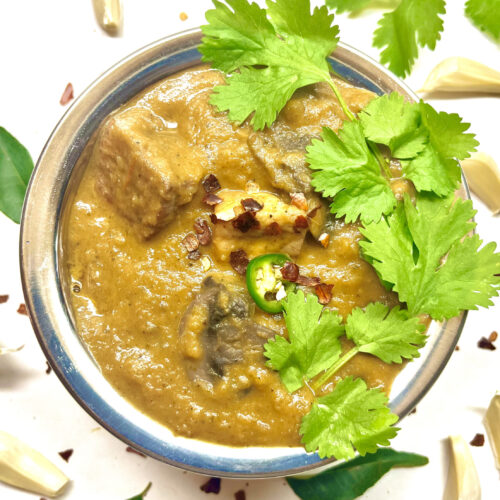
(44, 44)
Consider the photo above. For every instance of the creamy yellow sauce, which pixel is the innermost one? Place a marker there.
(131, 284)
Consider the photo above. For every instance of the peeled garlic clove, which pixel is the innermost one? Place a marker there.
(25, 468)
(109, 15)
(463, 481)
(458, 74)
(492, 425)
(483, 177)
(6, 350)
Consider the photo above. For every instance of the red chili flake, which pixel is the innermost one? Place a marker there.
(213, 219)
(457, 348)
(484, 343)
(67, 95)
(131, 450)
(194, 255)
(251, 205)
(190, 242)
(324, 293)
(210, 183)
(299, 200)
(245, 221)
(211, 486)
(239, 261)
(478, 440)
(312, 213)
(211, 199)
(3, 299)
(290, 271)
(413, 411)
(22, 309)
(203, 231)
(66, 454)
(300, 223)
(49, 368)
(493, 336)
(274, 229)
(324, 239)
(307, 281)
(240, 495)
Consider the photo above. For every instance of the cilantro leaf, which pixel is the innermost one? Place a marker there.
(427, 142)
(347, 5)
(290, 50)
(389, 335)
(347, 170)
(407, 250)
(412, 23)
(485, 15)
(313, 344)
(351, 479)
(350, 416)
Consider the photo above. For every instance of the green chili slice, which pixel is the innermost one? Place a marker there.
(265, 282)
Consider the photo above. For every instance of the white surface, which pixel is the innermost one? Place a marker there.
(48, 43)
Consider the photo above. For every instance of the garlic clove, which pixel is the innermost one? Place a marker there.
(109, 15)
(492, 425)
(458, 74)
(483, 177)
(463, 480)
(23, 467)
(6, 350)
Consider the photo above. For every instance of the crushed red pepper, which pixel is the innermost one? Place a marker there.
(240, 495)
(300, 223)
(203, 231)
(22, 309)
(211, 199)
(211, 486)
(3, 299)
(66, 454)
(245, 221)
(251, 205)
(67, 95)
(290, 271)
(210, 183)
(484, 343)
(324, 293)
(194, 255)
(478, 440)
(239, 261)
(299, 200)
(493, 336)
(274, 229)
(308, 280)
(190, 242)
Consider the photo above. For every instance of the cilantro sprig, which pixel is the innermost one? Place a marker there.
(351, 415)
(276, 51)
(424, 252)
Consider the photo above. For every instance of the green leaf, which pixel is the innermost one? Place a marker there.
(275, 56)
(350, 416)
(413, 23)
(16, 166)
(485, 15)
(408, 250)
(314, 344)
(347, 5)
(142, 495)
(389, 335)
(347, 170)
(393, 121)
(436, 168)
(351, 479)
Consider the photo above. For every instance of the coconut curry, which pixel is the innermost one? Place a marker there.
(174, 201)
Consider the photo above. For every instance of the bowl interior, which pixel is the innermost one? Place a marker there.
(51, 188)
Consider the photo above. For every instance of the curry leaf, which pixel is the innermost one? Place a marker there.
(351, 416)
(351, 479)
(313, 345)
(485, 15)
(16, 166)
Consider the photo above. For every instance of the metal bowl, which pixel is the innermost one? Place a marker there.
(56, 175)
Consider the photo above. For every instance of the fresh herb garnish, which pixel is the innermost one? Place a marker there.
(428, 143)
(407, 249)
(16, 166)
(142, 495)
(485, 15)
(313, 344)
(351, 479)
(276, 52)
(350, 416)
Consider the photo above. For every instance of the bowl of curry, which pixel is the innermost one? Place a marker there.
(131, 259)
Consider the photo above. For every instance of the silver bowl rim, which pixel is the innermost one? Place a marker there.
(40, 260)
